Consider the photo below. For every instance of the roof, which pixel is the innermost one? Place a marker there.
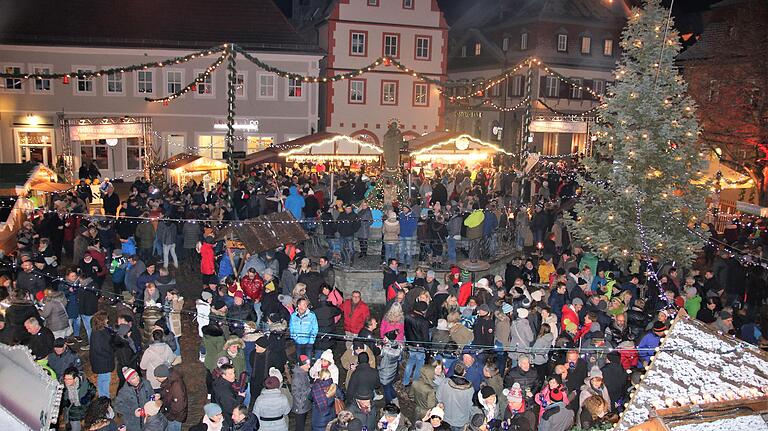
(321, 143)
(713, 37)
(29, 398)
(696, 364)
(254, 24)
(179, 160)
(277, 229)
(16, 174)
(446, 141)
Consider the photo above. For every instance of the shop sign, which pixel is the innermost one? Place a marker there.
(548, 126)
(86, 132)
(469, 114)
(243, 125)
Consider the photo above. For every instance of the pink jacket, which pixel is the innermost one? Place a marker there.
(387, 326)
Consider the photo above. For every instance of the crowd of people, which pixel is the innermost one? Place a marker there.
(553, 341)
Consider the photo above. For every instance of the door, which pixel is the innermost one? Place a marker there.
(35, 145)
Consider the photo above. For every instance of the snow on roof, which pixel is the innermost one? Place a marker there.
(751, 423)
(695, 364)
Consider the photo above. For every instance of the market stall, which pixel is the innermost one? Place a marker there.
(327, 149)
(449, 149)
(263, 233)
(23, 187)
(185, 167)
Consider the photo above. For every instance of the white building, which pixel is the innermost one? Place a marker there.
(355, 33)
(43, 119)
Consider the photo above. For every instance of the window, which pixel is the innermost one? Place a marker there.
(212, 146)
(391, 45)
(408, 4)
(357, 91)
(42, 85)
(254, 144)
(575, 89)
(389, 92)
(144, 82)
(586, 44)
(505, 44)
(562, 42)
(95, 150)
(114, 83)
(496, 90)
(174, 80)
(204, 87)
(241, 86)
(373, 2)
(423, 44)
(13, 84)
(515, 86)
(134, 151)
(608, 47)
(295, 88)
(523, 41)
(714, 90)
(267, 86)
(598, 86)
(420, 94)
(357, 43)
(463, 51)
(552, 88)
(478, 48)
(35, 145)
(83, 84)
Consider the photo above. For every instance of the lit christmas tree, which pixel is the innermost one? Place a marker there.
(644, 192)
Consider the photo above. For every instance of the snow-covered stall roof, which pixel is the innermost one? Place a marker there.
(29, 397)
(743, 423)
(695, 364)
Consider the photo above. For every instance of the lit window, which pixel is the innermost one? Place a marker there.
(562, 42)
(174, 80)
(420, 94)
(391, 48)
(478, 48)
(586, 44)
(356, 91)
(255, 144)
(212, 146)
(205, 87)
(84, 84)
(357, 44)
(42, 85)
(608, 47)
(575, 90)
(144, 81)
(115, 83)
(598, 86)
(523, 41)
(13, 84)
(552, 87)
(267, 86)
(389, 93)
(422, 48)
(295, 88)
(135, 153)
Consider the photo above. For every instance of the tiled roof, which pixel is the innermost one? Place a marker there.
(15, 174)
(713, 38)
(255, 24)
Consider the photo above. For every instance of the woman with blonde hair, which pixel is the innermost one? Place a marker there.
(595, 413)
(450, 305)
(323, 394)
(394, 320)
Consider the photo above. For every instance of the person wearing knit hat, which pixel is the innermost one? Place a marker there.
(593, 386)
(326, 362)
(486, 397)
(162, 370)
(507, 308)
(477, 423)
(555, 415)
(153, 419)
(131, 397)
(213, 415)
(271, 382)
(522, 313)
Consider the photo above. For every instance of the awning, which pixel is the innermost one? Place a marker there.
(318, 147)
(50, 187)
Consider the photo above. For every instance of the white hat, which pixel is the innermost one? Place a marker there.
(537, 295)
(437, 411)
(274, 372)
(151, 408)
(522, 312)
(442, 324)
(482, 284)
(327, 355)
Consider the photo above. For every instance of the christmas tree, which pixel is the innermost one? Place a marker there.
(644, 189)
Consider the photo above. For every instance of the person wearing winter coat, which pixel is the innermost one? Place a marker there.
(326, 362)
(393, 420)
(647, 346)
(166, 234)
(556, 416)
(520, 335)
(190, 233)
(424, 390)
(63, 358)
(54, 313)
(323, 394)
(326, 314)
(355, 312)
(303, 328)
(295, 203)
(135, 268)
(154, 419)
(157, 353)
(365, 219)
(388, 365)
(243, 420)
(541, 348)
(101, 353)
(224, 393)
(524, 374)
(593, 385)
(408, 224)
(272, 407)
(173, 394)
(390, 234)
(77, 395)
(133, 395)
(363, 377)
(300, 391)
(145, 238)
(456, 394)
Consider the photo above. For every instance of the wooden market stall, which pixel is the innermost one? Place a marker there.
(185, 167)
(23, 187)
(447, 149)
(320, 148)
(264, 233)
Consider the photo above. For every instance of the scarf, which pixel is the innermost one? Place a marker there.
(73, 393)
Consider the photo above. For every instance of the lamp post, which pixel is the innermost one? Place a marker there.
(112, 143)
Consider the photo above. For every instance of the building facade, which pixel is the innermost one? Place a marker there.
(578, 39)
(354, 33)
(107, 119)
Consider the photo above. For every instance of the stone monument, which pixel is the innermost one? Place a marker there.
(393, 142)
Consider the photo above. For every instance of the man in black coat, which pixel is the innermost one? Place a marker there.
(326, 314)
(225, 395)
(348, 225)
(390, 273)
(40, 340)
(314, 281)
(615, 377)
(364, 379)
(30, 280)
(417, 335)
(261, 360)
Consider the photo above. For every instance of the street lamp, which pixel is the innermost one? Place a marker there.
(112, 143)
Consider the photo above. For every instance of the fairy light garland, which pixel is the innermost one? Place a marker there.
(503, 109)
(192, 86)
(586, 113)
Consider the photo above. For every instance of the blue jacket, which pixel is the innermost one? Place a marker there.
(294, 202)
(118, 267)
(490, 223)
(129, 247)
(377, 216)
(303, 328)
(646, 347)
(408, 223)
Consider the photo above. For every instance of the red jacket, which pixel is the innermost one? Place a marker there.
(252, 287)
(569, 316)
(354, 319)
(465, 291)
(629, 358)
(207, 259)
